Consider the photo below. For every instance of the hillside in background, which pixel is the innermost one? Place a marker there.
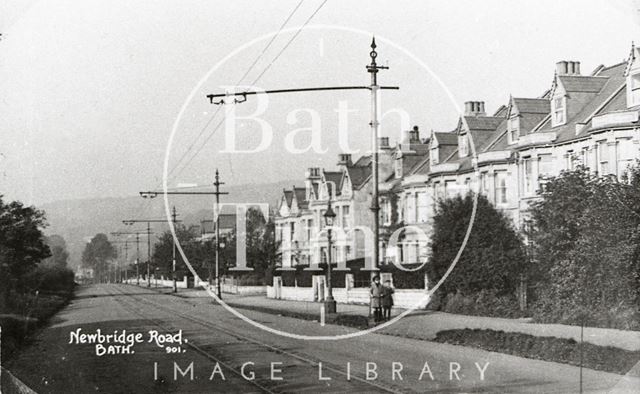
(79, 220)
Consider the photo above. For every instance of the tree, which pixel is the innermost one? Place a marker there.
(262, 247)
(59, 254)
(97, 254)
(593, 272)
(556, 219)
(493, 257)
(163, 251)
(22, 244)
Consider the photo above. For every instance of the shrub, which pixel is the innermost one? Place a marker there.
(482, 303)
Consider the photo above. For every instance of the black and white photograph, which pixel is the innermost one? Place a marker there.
(319, 196)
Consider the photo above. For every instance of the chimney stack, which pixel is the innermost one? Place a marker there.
(565, 67)
(474, 108)
(313, 178)
(414, 135)
(344, 159)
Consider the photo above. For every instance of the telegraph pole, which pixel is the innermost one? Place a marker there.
(137, 234)
(174, 215)
(137, 259)
(130, 222)
(216, 212)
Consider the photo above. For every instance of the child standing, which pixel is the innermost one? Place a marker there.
(387, 299)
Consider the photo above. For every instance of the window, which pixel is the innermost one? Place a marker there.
(434, 156)
(545, 166)
(527, 178)
(309, 226)
(398, 169)
(625, 153)
(501, 187)
(450, 189)
(293, 230)
(423, 206)
(438, 192)
(514, 129)
(346, 216)
(634, 95)
(484, 183)
(603, 158)
(584, 157)
(559, 111)
(386, 212)
(410, 214)
(463, 145)
(570, 158)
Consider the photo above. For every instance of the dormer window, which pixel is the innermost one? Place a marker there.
(434, 156)
(514, 129)
(634, 90)
(398, 168)
(559, 111)
(463, 145)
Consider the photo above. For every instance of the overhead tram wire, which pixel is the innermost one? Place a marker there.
(203, 129)
(249, 69)
(256, 80)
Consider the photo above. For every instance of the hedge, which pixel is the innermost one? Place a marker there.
(563, 350)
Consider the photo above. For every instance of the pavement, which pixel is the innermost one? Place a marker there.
(53, 365)
(426, 324)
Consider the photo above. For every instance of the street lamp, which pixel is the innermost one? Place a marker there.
(329, 302)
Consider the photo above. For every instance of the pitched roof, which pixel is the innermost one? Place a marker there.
(301, 197)
(358, 175)
(227, 222)
(532, 105)
(483, 122)
(448, 138)
(614, 81)
(288, 195)
(582, 83)
(333, 178)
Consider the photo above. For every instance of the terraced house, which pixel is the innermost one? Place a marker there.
(581, 119)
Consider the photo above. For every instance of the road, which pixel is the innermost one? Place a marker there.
(218, 344)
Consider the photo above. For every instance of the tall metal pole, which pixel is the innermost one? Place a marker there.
(217, 212)
(175, 284)
(126, 260)
(137, 259)
(373, 69)
(148, 255)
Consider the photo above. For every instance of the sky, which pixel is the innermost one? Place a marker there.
(90, 90)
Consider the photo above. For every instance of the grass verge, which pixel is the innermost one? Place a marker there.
(356, 321)
(561, 350)
(17, 328)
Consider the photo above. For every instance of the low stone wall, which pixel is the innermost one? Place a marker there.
(403, 298)
(160, 282)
